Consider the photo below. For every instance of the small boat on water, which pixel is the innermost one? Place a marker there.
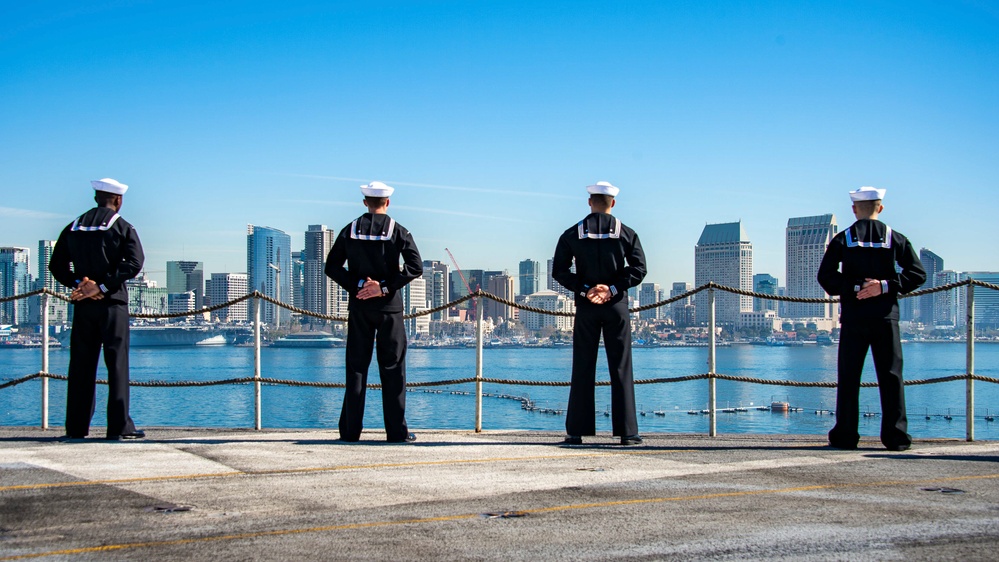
(778, 406)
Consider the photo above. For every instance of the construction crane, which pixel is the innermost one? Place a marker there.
(465, 281)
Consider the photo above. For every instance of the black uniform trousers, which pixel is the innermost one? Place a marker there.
(882, 337)
(97, 324)
(613, 321)
(362, 327)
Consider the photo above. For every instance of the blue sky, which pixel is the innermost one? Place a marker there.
(490, 118)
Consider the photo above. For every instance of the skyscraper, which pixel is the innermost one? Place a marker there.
(986, 300)
(186, 276)
(681, 311)
(766, 284)
(933, 264)
(414, 300)
(807, 240)
(15, 279)
(58, 309)
(438, 276)
(723, 254)
(529, 276)
(501, 286)
(224, 287)
(320, 293)
(268, 267)
(650, 293)
(950, 307)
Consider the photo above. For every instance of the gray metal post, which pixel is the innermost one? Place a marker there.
(256, 362)
(45, 360)
(478, 366)
(970, 383)
(712, 413)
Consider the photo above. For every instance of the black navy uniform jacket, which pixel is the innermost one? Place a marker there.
(101, 246)
(371, 246)
(606, 252)
(870, 249)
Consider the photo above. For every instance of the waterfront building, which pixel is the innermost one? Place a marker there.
(145, 297)
(184, 276)
(554, 285)
(297, 279)
(933, 264)
(807, 240)
(501, 286)
(650, 293)
(723, 254)
(529, 276)
(766, 284)
(59, 310)
(224, 287)
(682, 311)
(765, 320)
(548, 300)
(438, 276)
(15, 279)
(950, 307)
(181, 302)
(268, 267)
(320, 294)
(986, 300)
(414, 300)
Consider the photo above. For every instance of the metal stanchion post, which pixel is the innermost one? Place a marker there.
(45, 360)
(478, 365)
(256, 362)
(712, 413)
(970, 383)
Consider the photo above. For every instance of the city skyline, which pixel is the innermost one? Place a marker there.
(490, 118)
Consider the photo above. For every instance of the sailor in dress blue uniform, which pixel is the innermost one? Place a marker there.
(371, 247)
(609, 260)
(868, 265)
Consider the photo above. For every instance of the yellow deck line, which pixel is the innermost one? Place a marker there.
(284, 532)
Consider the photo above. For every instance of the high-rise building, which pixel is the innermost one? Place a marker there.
(650, 293)
(59, 310)
(555, 286)
(950, 308)
(268, 267)
(224, 287)
(723, 254)
(986, 300)
(681, 311)
(501, 286)
(766, 284)
(529, 276)
(933, 264)
(414, 300)
(807, 240)
(438, 276)
(320, 293)
(15, 279)
(186, 276)
(297, 279)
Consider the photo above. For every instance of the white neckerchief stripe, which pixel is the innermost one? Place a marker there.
(77, 228)
(614, 233)
(851, 243)
(378, 237)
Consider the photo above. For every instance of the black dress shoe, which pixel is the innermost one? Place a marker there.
(843, 447)
(631, 440)
(137, 434)
(409, 439)
(898, 448)
(71, 438)
(572, 440)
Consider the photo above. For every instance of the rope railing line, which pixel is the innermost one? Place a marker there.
(512, 382)
(483, 294)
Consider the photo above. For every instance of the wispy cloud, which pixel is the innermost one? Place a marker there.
(10, 212)
(502, 218)
(443, 187)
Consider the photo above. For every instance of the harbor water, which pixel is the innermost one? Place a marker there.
(666, 407)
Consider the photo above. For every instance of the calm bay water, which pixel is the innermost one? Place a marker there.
(292, 407)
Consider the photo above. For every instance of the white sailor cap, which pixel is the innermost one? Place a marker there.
(377, 189)
(867, 194)
(110, 186)
(602, 188)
